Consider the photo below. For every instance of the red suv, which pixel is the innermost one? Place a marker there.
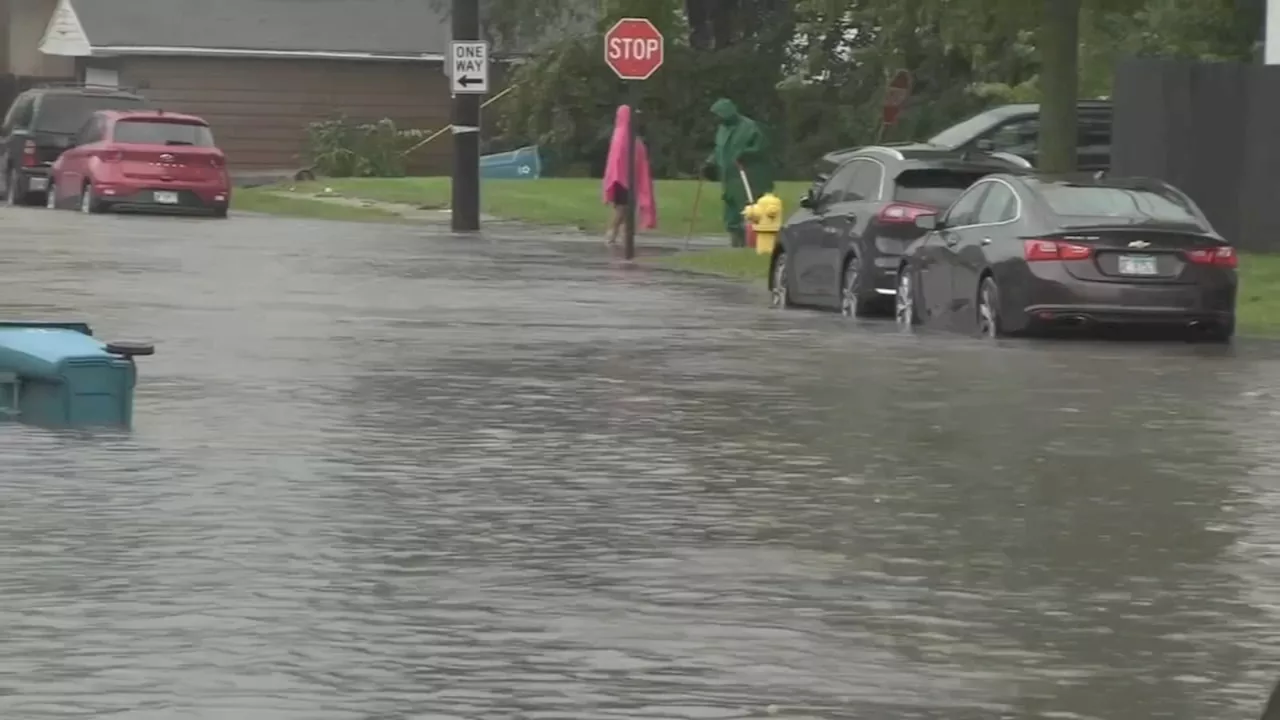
(142, 160)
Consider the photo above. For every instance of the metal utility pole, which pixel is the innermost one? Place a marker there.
(466, 130)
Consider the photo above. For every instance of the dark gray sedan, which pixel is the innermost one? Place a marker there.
(1016, 254)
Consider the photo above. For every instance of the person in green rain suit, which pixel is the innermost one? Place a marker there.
(739, 141)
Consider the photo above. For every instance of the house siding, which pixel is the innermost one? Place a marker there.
(259, 108)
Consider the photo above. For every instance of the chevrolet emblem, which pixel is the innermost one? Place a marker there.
(1139, 244)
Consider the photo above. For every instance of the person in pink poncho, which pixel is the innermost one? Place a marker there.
(616, 186)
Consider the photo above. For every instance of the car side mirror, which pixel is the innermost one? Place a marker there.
(807, 200)
(985, 145)
(928, 222)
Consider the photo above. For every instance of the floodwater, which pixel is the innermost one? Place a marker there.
(381, 474)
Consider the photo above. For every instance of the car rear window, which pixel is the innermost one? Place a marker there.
(162, 132)
(1129, 204)
(67, 113)
(934, 188)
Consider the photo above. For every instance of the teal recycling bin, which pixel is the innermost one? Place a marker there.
(522, 164)
(58, 375)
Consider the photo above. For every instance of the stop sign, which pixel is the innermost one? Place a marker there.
(633, 48)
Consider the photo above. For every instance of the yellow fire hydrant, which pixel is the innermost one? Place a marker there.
(765, 217)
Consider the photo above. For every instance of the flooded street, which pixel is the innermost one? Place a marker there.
(379, 474)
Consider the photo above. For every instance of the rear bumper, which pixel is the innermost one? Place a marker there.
(1125, 315)
(189, 200)
(35, 179)
(1048, 295)
(884, 273)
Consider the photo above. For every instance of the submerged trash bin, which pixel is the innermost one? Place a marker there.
(58, 375)
(522, 164)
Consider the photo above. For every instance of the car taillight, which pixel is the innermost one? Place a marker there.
(29, 154)
(1039, 250)
(1220, 256)
(217, 161)
(903, 213)
(111, 156)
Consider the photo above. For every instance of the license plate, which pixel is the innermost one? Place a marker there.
(166, 198)
(38, 183)
(1138, 265)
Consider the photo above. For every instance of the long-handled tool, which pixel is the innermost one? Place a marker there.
(748, 233)
(693, 217)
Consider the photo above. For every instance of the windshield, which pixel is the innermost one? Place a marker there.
(964, 131)
(934, 188)
(162, 132)
(1129, 205)
(67, 113)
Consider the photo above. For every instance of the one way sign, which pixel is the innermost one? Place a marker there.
(469, 67)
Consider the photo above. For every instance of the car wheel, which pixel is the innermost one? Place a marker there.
(851, 303)
(220, 213)
(1221, 334)
(904, 301)
(989, 309)
(780, 291)
(14, 193)
(88, 203)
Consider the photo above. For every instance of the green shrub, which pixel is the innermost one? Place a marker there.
(340, 148)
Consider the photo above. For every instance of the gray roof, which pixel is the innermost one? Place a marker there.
(371, 26)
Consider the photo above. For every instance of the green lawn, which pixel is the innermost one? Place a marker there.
(572, 202)
(1257, 305)
(264, 200)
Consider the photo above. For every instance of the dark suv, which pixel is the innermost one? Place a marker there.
(39, 127)
(842, 248)
(1015, 129)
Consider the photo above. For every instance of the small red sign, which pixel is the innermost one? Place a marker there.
(633, 48)
(895, 96)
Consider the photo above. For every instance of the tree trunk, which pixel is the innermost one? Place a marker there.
(1059, 84)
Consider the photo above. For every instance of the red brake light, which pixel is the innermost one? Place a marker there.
(903, 213)
(1221, 256)
(111, 156)
(217, 161)
(1038, 250)
(29, 154)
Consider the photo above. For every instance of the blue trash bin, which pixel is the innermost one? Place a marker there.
(522, 164)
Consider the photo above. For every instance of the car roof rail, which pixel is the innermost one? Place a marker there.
(891, 152)
(71, 85)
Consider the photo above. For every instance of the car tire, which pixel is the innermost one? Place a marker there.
(779, 289)
(88, 203)
(1220, 334)
(15, 192)
(905, 306)
(852, 303)
(220, 213)
(988, 310)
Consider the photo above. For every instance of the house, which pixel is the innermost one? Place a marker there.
(258, 70)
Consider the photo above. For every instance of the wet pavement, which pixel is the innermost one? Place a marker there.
(380, 473)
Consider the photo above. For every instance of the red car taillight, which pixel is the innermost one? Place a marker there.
(903, 213)
(1039, 250)
(217, 161)
(1221, 256)
(111, 156)
(29, 154)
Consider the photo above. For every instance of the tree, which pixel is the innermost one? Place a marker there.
(1059, 40)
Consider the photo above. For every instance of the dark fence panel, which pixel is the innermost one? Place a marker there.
(1211, 130)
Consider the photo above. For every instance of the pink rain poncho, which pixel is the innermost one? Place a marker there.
(615, 170)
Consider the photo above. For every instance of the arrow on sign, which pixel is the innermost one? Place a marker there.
(466, 80)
